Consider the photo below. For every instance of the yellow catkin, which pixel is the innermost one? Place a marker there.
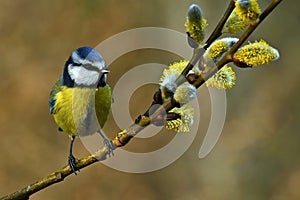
(196, 29)
(184, 123)
(185, 93)
(174, 69)
(257, 53)
(217, 49)
(247, 13)
(223, 79)
(234, 24)
(173, 125)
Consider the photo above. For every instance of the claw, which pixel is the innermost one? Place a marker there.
(110, 146)
(72, 163)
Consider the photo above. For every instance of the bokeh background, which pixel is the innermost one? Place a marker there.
(257, 156)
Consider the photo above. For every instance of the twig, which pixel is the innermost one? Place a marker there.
(218, 30)
(199, 51)
(123, 137)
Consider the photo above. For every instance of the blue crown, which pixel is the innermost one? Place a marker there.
(89, 54)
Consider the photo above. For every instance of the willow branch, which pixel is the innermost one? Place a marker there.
(218, 30)
(123, 137)
(228, 57)
(198, 52)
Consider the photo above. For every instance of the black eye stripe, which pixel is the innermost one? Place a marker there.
(76, 64)
(91, 67)
(86, 66)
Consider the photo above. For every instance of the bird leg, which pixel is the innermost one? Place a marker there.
(71, 158)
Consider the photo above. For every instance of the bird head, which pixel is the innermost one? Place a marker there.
(85, 68)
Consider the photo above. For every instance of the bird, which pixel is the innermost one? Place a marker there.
(80, 100)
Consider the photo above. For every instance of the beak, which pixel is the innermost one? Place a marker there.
(105, 71)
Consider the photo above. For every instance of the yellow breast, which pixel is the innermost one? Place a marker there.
(78, 111)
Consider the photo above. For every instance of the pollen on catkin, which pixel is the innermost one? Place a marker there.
(174, 69)
(217, 50)
(184, 123)
(225, 78)
(257, 53)
(169, 76)
(195, 23)
(247, 10)
(234, 24)
(219, 47)
(185, 93)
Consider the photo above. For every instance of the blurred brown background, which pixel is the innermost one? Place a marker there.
(257, 156)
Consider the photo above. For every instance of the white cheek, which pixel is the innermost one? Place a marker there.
(82, 76)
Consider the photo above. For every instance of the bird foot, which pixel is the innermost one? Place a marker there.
(72, 163)
(110, 146)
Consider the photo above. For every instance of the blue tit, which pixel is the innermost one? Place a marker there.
(80, 100)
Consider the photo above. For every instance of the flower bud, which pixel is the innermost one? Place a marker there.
(194, 13)
(195, 23)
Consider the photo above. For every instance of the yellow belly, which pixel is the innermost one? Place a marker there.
(82, 111)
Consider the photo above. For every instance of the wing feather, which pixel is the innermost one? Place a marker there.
(55, 89)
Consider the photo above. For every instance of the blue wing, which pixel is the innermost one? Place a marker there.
(55, 89)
